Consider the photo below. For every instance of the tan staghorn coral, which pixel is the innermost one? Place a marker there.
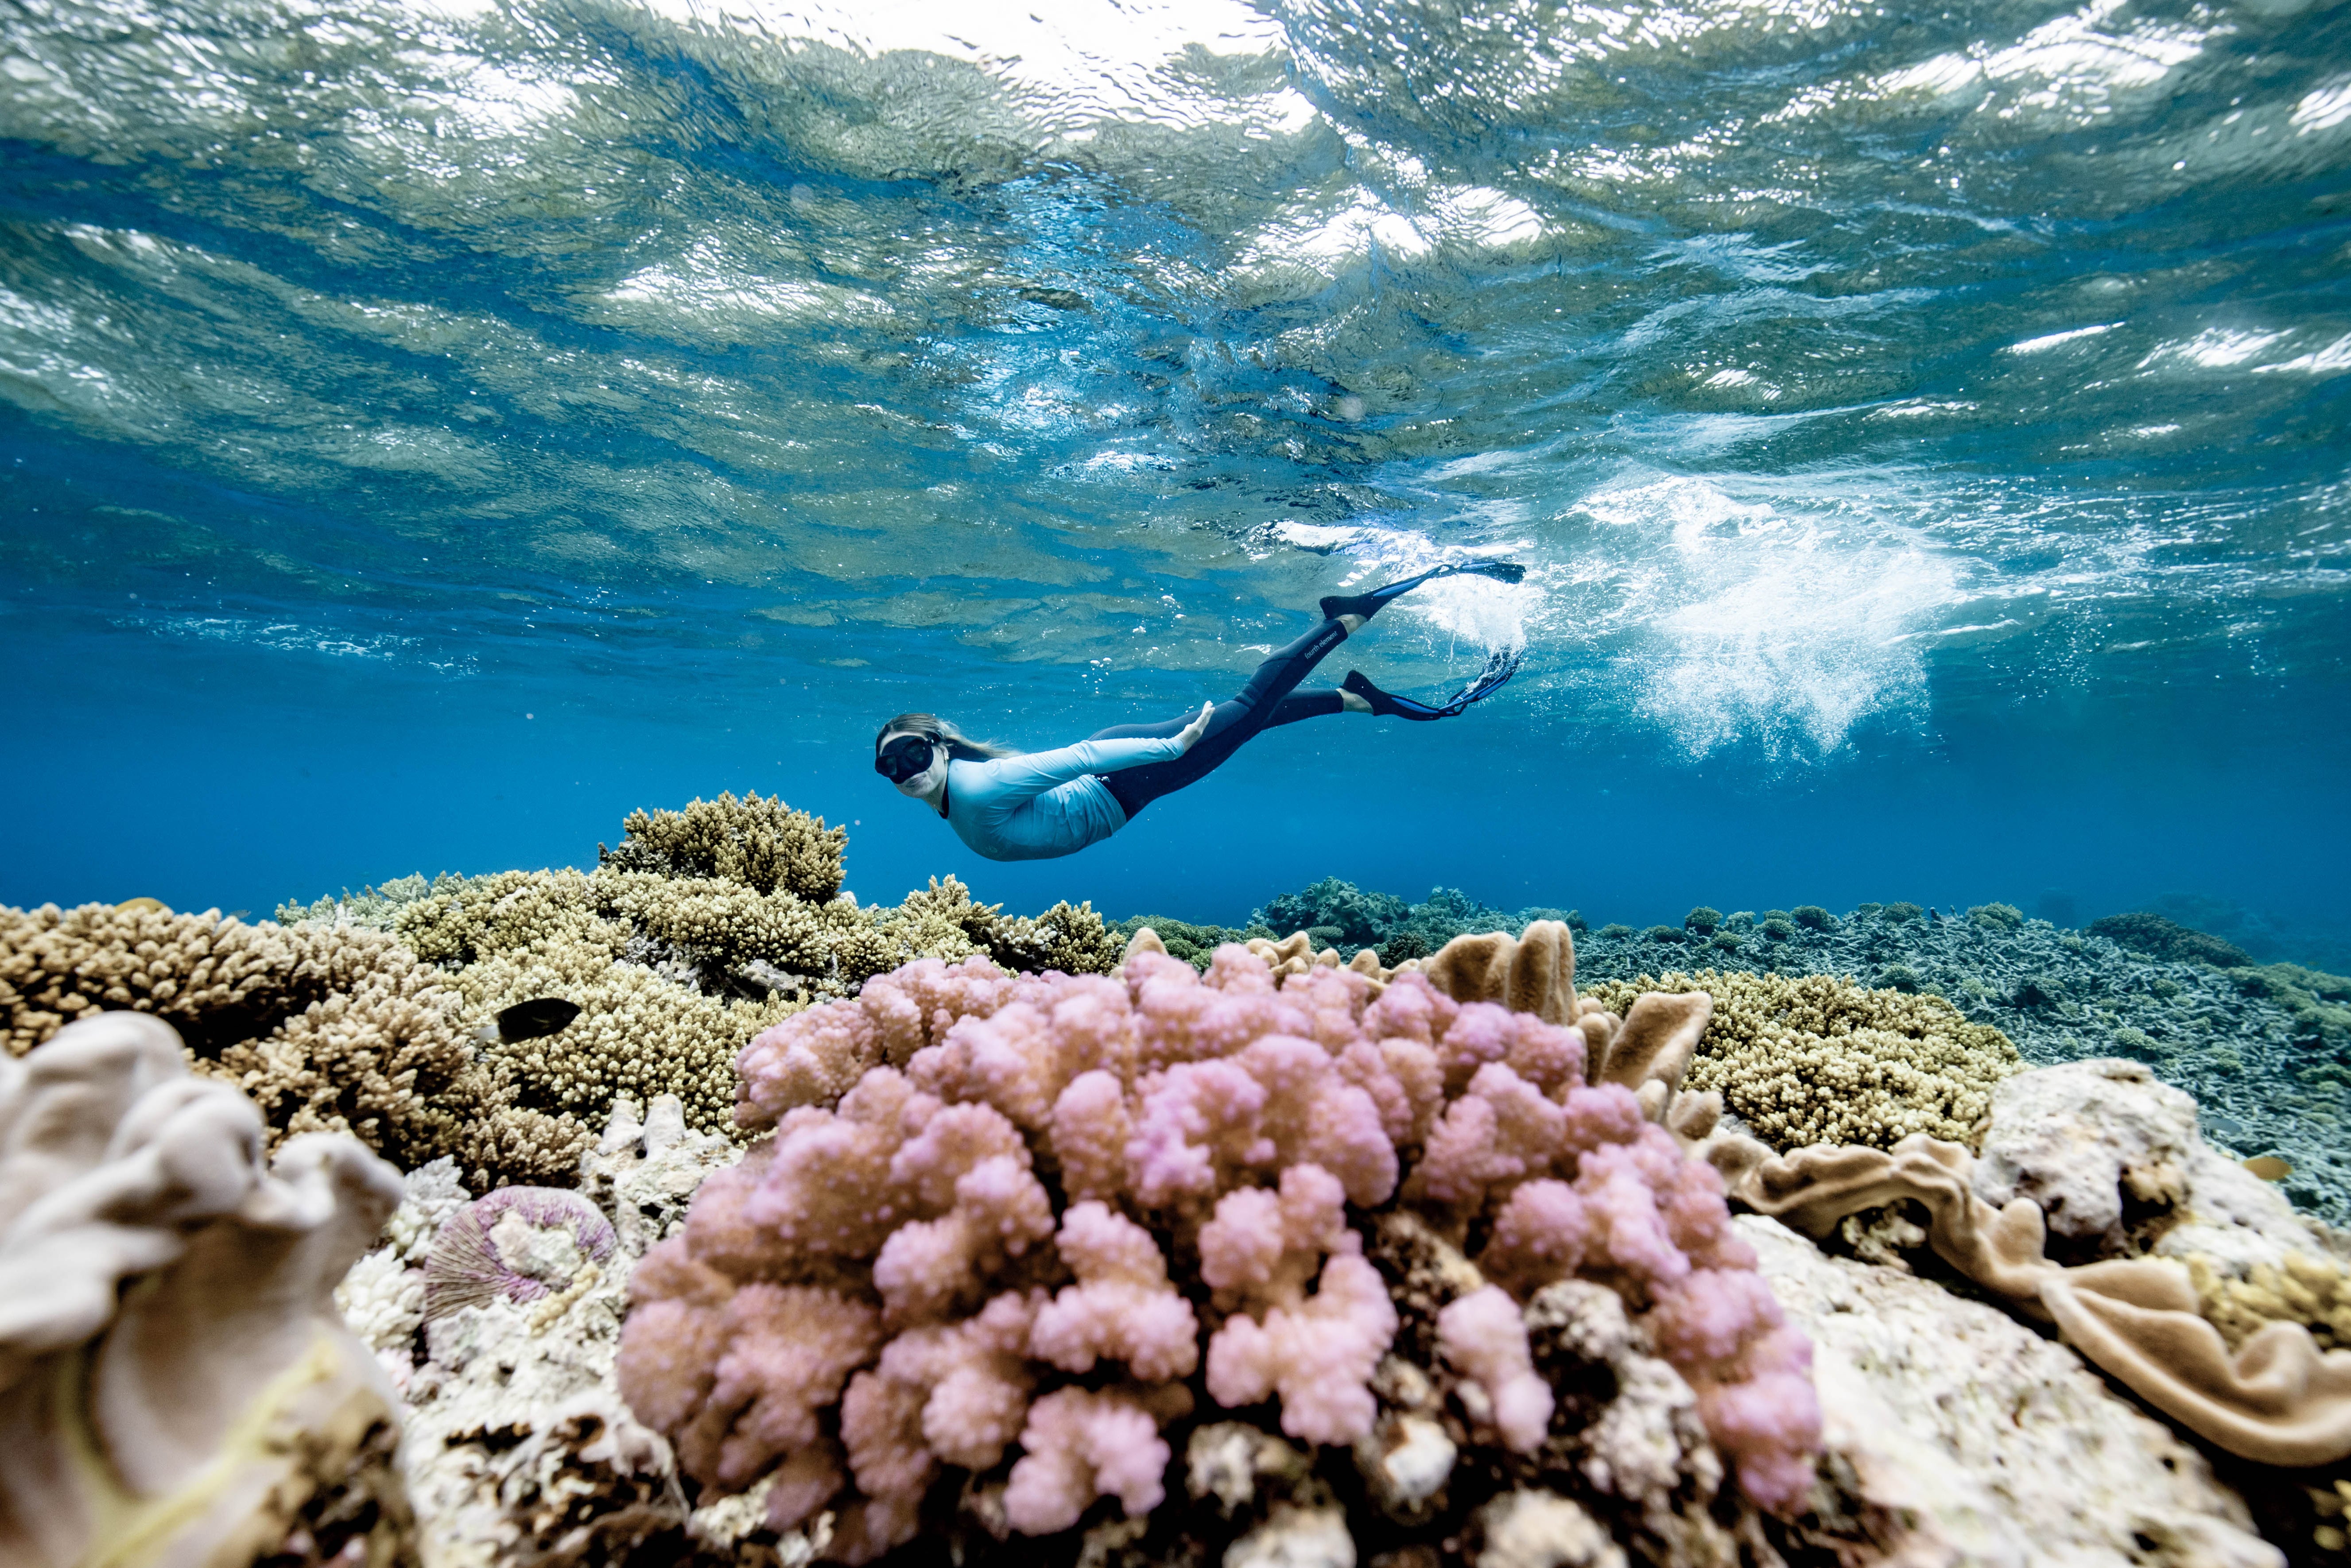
(1817, 1059)
(327, 1028)
(729, 923)
(760, 843)
(2313, 1292)
(702, 928)
(944, 922)
(215, 979)
(520, 935)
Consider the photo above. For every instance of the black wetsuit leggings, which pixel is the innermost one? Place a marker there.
(1270, 697)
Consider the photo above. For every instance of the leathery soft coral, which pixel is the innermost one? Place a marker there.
(1040, 1219)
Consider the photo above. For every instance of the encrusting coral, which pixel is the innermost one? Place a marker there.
(1001, 1213)
(518, 1449)
(1816, 1060)
(174, 1381)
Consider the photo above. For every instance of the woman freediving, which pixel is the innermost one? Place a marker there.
(1016, 806)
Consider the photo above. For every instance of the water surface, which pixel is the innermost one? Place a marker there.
(428, 431)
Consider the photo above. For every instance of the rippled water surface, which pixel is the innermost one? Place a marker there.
(427, 432)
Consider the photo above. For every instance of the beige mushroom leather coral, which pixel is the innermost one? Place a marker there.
(2279, 1400)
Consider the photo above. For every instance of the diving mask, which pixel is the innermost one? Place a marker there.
(903, 757)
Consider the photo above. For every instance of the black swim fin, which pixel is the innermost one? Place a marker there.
(1370, 604)
(1501, 665)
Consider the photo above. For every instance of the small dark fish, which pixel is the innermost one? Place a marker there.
(532, 1020)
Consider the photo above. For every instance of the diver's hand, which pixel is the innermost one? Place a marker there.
(1194, 730)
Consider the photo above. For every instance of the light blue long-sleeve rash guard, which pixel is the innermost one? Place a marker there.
(1042, 804)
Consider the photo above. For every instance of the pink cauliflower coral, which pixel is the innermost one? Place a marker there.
(981, 1187)
(1122, 1307)
(1319, 1353)
(1484, 1338)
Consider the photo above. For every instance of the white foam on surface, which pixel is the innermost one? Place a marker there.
(1755, 621)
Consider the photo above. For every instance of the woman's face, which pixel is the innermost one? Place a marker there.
(915, 786)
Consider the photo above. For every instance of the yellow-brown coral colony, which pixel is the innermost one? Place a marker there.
(2313, 1292)
(1811, 1058)
(329, 1029)
(703, 927)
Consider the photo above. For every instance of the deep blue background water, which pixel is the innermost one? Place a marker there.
(425, 435)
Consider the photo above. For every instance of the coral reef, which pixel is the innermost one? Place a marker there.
(2314, 1292)
(376, 908)
(1348, 919)
(1821, 1061)
(514, 935)
(702, 928)
(1086, 1258)
(174, 1381)
(1355, 917)
(1908, 1374)
(677, 961)
(1195, 945)
(980, 1186)
(327, 1028)
(761, 844)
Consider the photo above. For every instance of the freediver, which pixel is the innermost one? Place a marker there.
(1015, 806)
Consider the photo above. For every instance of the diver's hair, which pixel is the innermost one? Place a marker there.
(943, 731)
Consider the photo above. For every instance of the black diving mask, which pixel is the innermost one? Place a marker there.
(906, 757)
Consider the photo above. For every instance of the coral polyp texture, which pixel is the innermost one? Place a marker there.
(327, 1028)
(1013, 1240)
(1816, 1060)
(761, 844)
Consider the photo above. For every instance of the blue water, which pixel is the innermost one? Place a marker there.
(428, 431)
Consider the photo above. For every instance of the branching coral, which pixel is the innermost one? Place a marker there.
(704, 928)
(519, 934)
(760, 843)
(1193, 1147)
(1318, 1352)
(943, 921)
(216, 982)
(1814, 1060)
(2312, 1291)
(327, 1028)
